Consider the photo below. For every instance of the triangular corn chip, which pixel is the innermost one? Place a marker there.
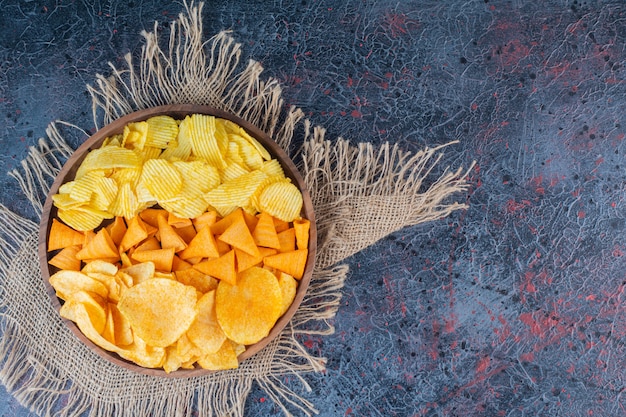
(208, 218)
(151, 216)
(161, 258)
(101, 246)
(178, 222)
(151, 243)
(238, 236)
(187, 233)
(302, 227)
(290, 262)
(280, 225)
(245, 260)
(220, 226)
(222, 268)
(66, 259)
(264, 233)
(135, 233)
(179, 265)
(62, 236)
(287, 240)
(202, 245)
(117, 230)
(169, 237)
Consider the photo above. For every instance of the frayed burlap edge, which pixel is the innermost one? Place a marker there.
(361, 194)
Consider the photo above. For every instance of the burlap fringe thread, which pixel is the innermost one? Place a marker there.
(360, 194)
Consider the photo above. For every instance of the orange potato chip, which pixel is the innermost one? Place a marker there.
(264, 233)
(288, 287)
(203, 245)
(100, 266)
(101, 246)
(248, 311)
(139, 272)
(292, 262)
(66, 259)
(159, 310)
(161, 258)
(197, 279)
(205, 332)
(66, 283)
(224, 358)
(302, 227)
(222, 268)
(109, 328)
(62, 236)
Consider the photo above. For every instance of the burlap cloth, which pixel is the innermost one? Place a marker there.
(360, 195)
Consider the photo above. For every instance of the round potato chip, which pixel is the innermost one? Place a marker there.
(248, 311)
(205, 332)
(159, 310)
(281, 199)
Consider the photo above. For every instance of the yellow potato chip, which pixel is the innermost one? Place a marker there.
(184, 206)
(134, 135)
(161, 130)
(273, 168)
(139, 272)
(281, 199)
(248, 311)
(232, 170)
(65, 201)
(161, 179)
(292, 262)
(108, 157)
(100, 267)
(204, 142)
(199, 177)
(66, 283)
(79, 220)
(205, 332)
(288, 287)
(236, 192)
(126, 203)
(159, 310)
(143, 354)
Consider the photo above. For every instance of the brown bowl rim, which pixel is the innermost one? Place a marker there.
(178, 111)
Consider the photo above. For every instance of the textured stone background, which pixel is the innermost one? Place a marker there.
(514, 307)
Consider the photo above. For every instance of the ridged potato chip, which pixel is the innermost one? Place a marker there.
(161, 130)
(161, 179)
(281, 199)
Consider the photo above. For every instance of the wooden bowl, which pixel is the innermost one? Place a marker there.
(178, 111)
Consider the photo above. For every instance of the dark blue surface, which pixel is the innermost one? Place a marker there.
(513, 307)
